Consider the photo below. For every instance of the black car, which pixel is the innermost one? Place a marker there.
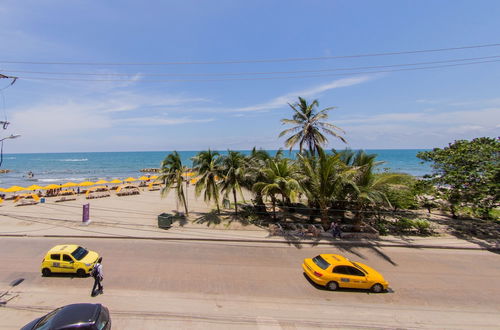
(75, 316)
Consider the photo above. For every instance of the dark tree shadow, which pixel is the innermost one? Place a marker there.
(211, 218)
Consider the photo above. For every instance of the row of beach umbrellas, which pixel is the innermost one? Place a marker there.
(74, 184)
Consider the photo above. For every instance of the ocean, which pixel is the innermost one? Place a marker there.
(92, 166)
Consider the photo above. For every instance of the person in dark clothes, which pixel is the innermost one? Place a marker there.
(98, 276)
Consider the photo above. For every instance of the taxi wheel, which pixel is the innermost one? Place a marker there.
(332, 286)
(46, 272)
(81, 273)
(377, 288)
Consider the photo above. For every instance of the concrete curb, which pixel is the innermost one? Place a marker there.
(226, 240)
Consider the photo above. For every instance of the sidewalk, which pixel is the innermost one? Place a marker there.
(196, 232)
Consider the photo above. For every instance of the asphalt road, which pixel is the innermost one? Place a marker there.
(200, 285)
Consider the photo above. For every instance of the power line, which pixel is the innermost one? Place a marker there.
(254, 73)
(260, 78)
(296, 59)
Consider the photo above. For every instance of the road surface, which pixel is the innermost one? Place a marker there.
(158, 284)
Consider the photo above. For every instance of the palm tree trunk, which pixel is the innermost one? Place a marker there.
(324, 218)
(274, 208)
(235, 202)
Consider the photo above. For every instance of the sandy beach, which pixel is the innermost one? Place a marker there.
(124, 215)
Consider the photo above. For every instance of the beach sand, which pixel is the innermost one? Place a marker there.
(114, 214)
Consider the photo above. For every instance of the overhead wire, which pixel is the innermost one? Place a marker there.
(295, 59)
(260, 78)
(252, 73)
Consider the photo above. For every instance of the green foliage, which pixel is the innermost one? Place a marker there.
(309, 126)
(468, 172)
(404, 225)
(407, 226)
(422, 226)
(401, 194)
(171, 174)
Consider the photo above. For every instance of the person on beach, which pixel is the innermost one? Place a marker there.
(98, 276)
(335, 230)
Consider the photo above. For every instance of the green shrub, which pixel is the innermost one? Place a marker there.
(403, 225)
(422, 226)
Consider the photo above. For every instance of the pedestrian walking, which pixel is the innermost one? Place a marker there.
(98, 276)
(335, 230)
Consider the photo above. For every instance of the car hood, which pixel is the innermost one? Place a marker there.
(90, 258)
(373, 275)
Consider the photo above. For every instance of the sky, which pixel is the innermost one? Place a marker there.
(192, 75)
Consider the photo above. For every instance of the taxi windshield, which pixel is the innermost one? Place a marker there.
(359, 267)
(79, 253)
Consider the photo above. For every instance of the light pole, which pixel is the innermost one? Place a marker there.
(12, 136)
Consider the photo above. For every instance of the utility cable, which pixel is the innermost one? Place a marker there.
(260, 78)
(296, 59)
(249, 73)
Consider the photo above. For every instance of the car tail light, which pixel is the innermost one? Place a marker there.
(318, 274)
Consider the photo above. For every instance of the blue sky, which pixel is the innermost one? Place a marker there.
(201, 108)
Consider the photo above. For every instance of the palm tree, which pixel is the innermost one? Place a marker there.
(233, 165)
(309, 126)
(369, 187)
(208, 166)
(278, 177)
(171, 174)
(323, 177)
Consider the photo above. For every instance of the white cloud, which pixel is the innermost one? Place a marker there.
(282, 100)
(419, 130)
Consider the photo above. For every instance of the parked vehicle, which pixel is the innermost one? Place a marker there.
(75, 316)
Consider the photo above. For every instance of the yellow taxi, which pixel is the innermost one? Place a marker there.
(69, 258)
(335, 271)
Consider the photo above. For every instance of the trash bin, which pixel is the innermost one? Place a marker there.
(42, 200)
(165, 220)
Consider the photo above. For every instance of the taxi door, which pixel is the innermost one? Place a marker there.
(343, 277)
(55, 262)
(358, 278)
(67, 264)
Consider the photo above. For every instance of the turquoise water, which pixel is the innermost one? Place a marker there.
(63, 167)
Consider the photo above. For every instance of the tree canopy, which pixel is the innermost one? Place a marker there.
(468, 172)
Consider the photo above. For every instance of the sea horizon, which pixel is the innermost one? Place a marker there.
(60, 167)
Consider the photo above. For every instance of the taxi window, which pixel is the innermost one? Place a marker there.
(79, 253)
(55, 257)
(354, 271)
(67, 257)
(341, 270)
(320, 262)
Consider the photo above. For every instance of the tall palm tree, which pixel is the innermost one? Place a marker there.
(233, 165)
(309, 126)
(323, 177)
(171, 174)
(208, 166)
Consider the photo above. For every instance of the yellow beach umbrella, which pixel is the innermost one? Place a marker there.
(144, 178)
(130, 179)
(188, 174)
(101, 182)
(52, 186)
(154, 177)
(116, 181)
(86, 184)
(14, 189)
(2, 189)
(69, 184)
(34, 187)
